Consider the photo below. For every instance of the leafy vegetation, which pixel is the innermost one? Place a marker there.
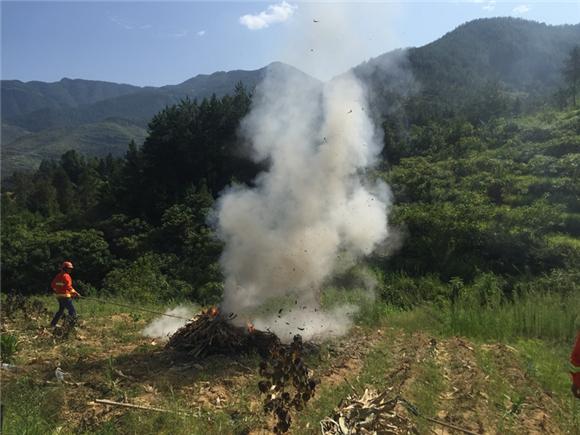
(8, 347)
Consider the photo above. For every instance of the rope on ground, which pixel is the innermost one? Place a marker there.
(132, 307)
(413, 410)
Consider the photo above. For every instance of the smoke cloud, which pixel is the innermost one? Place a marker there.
(285, 235)
(163, 327)
(310, 323)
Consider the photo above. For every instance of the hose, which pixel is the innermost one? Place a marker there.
(133, 307)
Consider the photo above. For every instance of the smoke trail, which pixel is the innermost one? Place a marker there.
(162, 327)
(284, 235)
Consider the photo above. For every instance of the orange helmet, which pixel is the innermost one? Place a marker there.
(67, 265)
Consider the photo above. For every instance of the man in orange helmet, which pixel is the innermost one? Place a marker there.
(64, 291)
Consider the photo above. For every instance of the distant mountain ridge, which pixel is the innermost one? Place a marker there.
(59, 123)
(67, 109)
(523, 56)
(20, 98)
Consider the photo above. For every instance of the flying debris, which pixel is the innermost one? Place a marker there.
(287, 383)
(315, 20)
(350, 111)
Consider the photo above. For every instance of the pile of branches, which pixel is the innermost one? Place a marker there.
(372, 413)
(211, 333)
(287, 382)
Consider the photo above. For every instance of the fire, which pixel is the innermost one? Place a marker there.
(251, 327)
(213, 311)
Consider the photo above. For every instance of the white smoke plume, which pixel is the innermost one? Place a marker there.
(311, 323)
(162, 327)
(284, 236)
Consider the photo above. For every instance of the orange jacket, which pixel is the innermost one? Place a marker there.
(575, 362)
(62, 285)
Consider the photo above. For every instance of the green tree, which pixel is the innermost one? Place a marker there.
(571, 72)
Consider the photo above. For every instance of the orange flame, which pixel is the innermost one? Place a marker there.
(213, 311)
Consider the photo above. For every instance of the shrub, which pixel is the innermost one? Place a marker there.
(146, 280)
(8, 347)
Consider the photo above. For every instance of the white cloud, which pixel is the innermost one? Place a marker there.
(521, 9)
(277, 13)
(122, 23)
(489, 6)
(201, 33)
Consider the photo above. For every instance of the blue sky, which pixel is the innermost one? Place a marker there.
(158, 43)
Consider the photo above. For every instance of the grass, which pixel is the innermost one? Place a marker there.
(425, 391)
(498, 386)
(30, 408)
(548, 316)
(538, 325)
(327, 398)
(548, 365)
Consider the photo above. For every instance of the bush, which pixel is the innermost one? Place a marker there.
(39, 252)
(8, 347)
(146, 280)
(403, 291)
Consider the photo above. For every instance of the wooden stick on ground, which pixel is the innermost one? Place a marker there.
(130, 405)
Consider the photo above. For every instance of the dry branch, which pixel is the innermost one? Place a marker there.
(131, 405)
(209, 334)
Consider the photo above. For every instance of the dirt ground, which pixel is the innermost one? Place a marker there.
(142, 372)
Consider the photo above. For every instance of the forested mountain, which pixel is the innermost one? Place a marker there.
(51, 127)
(138, 106)
(19, 98)
(514, 61)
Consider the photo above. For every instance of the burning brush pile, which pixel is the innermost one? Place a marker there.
(286, 382)
(211, 332)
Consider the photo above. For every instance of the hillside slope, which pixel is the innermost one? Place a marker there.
(76, 127)
(19, 98)
(95, 139)
(139, 106)
(519, 57)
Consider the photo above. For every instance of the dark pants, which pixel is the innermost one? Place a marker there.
(62, 304)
